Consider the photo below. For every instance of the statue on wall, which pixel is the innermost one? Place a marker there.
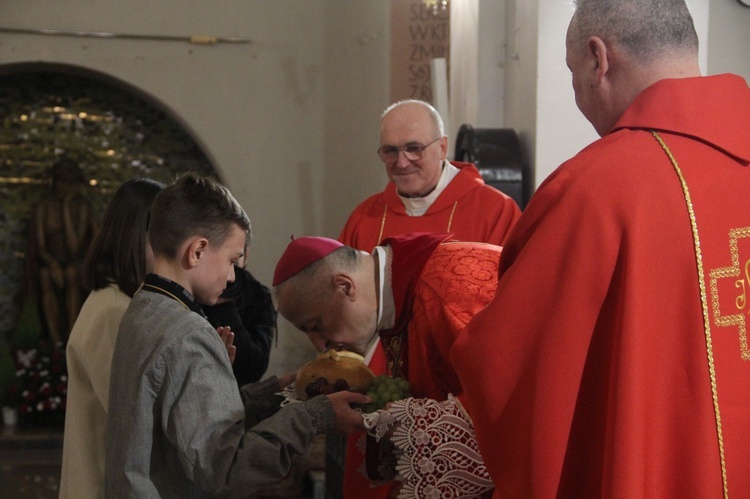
(63, 227)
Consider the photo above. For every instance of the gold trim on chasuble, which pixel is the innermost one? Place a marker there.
(742, 284)
(395, 365)
(393, 345)
(385, 211)
(704, 307)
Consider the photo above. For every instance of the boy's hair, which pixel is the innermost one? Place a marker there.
(118, 252)
(193, 206)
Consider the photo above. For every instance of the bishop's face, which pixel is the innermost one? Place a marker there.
(331, 319)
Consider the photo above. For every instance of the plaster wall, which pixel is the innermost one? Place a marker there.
(522, 50)
(285, 118)
(729, 38)
(290, 119)
(560, 130)
(491, 64)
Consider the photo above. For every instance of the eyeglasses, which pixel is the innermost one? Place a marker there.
(413, 152)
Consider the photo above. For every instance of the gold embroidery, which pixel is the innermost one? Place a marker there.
(382, 224)
(450, 220)
(741, 302)
(704, 307)
(395, 365)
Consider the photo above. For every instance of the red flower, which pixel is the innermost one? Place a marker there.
(40, 385)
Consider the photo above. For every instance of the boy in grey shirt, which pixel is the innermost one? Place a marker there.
(178, 426)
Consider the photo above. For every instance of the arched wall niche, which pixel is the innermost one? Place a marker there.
(113, 130)
(116, 84)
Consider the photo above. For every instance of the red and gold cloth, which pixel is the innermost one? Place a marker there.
(456, 282)
(438, 286)
(590, 373)
(468, 208)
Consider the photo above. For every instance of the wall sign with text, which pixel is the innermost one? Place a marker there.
(418, 35)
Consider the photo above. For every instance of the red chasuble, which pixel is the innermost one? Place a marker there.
(468, 208)
(435, 299)
(438, 286)
(613, 360)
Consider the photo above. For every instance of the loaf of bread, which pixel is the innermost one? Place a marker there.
(341, 369)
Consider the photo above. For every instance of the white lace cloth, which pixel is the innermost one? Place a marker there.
(289, 395)
(436, 449)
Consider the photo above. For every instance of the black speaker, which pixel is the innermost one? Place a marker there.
(497, 154)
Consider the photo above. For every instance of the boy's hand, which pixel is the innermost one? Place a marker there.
(287, 379)
(347, 419)
(227, 336)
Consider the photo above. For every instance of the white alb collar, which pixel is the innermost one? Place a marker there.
(416, 207)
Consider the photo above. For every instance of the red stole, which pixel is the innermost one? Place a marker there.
(410, 253)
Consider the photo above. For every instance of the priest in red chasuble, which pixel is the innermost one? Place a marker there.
(425, 193)
(414, 294)
(613, 360)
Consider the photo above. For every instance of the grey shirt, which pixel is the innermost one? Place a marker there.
(178, 426)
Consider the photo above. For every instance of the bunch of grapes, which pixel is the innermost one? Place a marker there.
(321, 386)
(384, 390)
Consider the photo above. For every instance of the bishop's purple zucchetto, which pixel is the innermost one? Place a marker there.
(301, 253)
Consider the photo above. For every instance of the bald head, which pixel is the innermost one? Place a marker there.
(412, 107)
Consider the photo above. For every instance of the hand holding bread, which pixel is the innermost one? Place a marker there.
(333, 371)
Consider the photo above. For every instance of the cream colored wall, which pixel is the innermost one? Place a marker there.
(561, 130)
(290, 119)
(521, 72)
(729, 47)
(540, 100)
(491, 65)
